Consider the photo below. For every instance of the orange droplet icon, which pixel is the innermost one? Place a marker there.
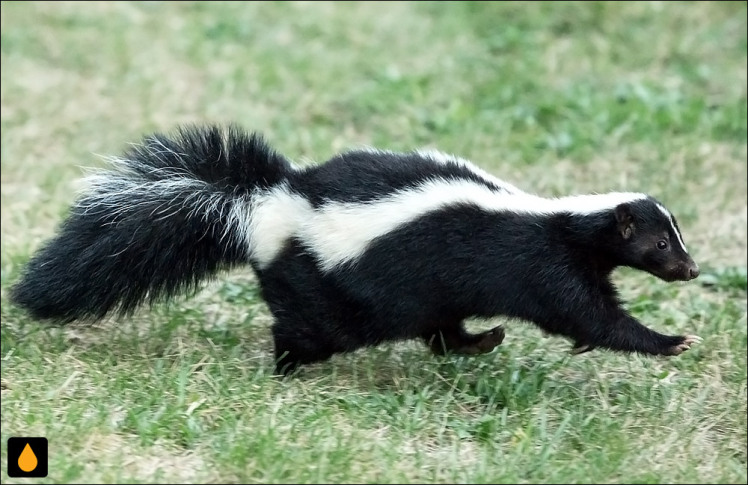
(27, 461)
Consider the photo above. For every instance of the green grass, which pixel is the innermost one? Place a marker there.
(555, 97)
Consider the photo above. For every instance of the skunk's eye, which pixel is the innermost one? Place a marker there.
(662, 244)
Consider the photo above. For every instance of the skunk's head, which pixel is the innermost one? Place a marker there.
(650, 240)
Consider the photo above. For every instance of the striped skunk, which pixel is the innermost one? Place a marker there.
(371, 246)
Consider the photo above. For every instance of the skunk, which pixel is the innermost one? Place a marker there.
(368, 247)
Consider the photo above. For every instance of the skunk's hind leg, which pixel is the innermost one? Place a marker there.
(457, 340)
(297, 344)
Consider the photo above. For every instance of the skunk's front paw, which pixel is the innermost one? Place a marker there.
(685, 344)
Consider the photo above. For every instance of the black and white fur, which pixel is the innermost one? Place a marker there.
(371, 246)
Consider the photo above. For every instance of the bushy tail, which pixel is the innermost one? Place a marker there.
(172, 212)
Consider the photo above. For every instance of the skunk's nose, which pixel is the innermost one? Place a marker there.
(693, 271)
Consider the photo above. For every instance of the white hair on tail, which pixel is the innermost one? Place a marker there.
(123, 195)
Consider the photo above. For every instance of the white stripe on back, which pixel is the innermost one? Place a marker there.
(276, 216)
(339, 232)
(444, 158)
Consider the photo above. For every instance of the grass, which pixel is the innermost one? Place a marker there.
(555, 97)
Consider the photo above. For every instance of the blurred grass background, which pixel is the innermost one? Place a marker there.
(556, 97)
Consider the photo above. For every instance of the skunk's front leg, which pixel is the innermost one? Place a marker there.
(627, 334)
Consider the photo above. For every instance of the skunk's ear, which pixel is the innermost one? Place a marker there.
(625, 220)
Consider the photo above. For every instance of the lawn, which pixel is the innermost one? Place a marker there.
(555, 97)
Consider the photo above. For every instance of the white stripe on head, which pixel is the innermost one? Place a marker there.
(340, 232)
(669, 217)
(276, 216)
